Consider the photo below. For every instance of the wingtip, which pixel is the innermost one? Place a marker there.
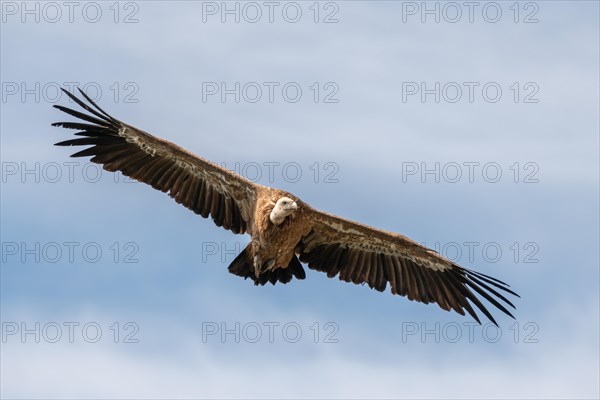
(492, 320)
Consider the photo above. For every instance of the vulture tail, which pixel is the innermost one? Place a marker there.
(243, 266)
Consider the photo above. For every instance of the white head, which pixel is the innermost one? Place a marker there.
(284, 207)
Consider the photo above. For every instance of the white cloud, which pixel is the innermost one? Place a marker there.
(108, 370)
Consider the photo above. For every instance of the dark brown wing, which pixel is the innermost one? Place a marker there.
(362, 254)
(203, 187)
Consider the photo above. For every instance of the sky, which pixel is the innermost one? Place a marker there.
(470, 127)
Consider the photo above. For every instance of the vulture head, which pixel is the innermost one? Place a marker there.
(284, 207)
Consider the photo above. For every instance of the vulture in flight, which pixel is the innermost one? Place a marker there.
(285, 231)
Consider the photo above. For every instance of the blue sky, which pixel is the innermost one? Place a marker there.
(142, 282)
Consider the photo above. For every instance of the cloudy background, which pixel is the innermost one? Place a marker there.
(110, 289)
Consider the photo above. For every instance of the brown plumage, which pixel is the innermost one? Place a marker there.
(284, 230)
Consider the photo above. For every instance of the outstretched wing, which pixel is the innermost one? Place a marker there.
(362, 254)
(203, 187)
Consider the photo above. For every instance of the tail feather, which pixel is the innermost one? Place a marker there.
(243, 266)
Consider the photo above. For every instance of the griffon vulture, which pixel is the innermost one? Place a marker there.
(284, 230)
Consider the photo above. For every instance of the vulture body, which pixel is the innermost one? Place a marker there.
(285, 232)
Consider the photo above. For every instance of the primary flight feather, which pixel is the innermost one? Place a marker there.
(284, 230)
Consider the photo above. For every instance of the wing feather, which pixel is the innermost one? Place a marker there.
(391, 273)
(361, 254)
(203, 187)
